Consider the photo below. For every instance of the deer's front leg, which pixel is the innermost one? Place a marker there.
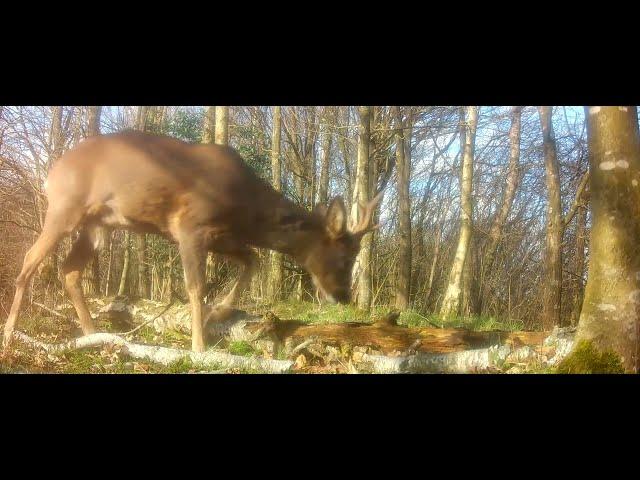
(193, 261)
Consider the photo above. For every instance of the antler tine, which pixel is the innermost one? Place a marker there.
(364, 225)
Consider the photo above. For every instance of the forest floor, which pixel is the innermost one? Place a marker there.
(50, 328)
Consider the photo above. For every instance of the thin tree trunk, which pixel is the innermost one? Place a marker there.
(403, 162)
(93, 129)
(141, 238)
(325, 161)
(208, 137)
(275, 280)
(552, 297)
(610, 318)
(362, 269)
(451, 302)
(581, 232)
(209, 127)
(109, 264)
(434, 262)
(222, 125)
(509, 193)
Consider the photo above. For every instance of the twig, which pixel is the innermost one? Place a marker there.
(153, 319)
(304, 344)
(58, 314)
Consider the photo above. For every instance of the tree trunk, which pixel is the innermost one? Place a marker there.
(451, 301)
(325, 161)
(512, 180)
(93, 129)
(275, 280)
(93, 120)
(222, 125)
(141, 238)
(610, 317)
(208, 137)
(208, 129)
(552, 297)
(403, 162)
(581, 231)
(362, 268)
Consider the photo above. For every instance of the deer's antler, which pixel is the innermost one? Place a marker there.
(365, 214)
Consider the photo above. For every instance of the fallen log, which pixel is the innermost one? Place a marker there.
(382, 346)
(162, 355)
(385, 335)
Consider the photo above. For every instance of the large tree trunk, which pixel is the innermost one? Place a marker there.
(610, 317)
(403, 162)
(451, 301)
(552, 296)
(362, 268)
(222, 125)
(276, 280)
(509, 193)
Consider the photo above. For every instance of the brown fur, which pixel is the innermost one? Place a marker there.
(204, 197)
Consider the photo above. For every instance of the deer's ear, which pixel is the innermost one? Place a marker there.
(336, 218)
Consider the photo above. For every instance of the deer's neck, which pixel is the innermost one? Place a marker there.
(287, 228)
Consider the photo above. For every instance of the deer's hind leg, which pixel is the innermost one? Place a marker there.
(57, 224)
(81, 253)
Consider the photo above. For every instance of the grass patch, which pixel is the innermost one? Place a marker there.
(241, 348)
(335, 313)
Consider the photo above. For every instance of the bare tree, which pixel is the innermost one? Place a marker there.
(403, 162)
(451, 302)
(362, 269)
(275, 281)
(222, 125)
(552, 297)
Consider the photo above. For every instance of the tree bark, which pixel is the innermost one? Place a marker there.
(403, 162)
(325, 161)
(509, 193)
(141, 238)
(93, 128)
(222, 125)
(610, 317)
(451, 302)
(362, 268)
(581, 232)
(276, 280)
(552, 296)
(209, 127)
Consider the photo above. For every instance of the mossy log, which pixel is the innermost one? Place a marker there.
(384, 336)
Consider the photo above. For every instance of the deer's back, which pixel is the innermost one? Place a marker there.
(135, 178)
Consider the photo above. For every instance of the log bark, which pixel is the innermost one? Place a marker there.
(162, 355)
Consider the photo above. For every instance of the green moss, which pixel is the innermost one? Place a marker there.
(241, 348)
(585, 358)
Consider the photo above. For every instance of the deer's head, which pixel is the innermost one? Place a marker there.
(331, 258)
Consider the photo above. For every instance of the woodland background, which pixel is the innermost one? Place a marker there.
(484, 212)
